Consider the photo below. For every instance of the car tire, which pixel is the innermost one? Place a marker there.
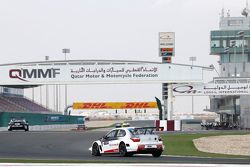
(26, 129)
(122, 150)
(156, 154)
(95, 150)
(9, 129)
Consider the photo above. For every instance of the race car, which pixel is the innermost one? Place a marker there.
(128, 141)
(18, 124)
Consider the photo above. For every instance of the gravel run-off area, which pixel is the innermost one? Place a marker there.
(226, 144)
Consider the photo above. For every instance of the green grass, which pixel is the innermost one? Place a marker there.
(182, 145)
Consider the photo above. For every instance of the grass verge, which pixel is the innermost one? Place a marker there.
(182, 145)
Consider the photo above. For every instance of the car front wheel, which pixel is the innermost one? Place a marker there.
(95, 150)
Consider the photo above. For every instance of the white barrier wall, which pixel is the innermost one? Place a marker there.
(164, 124)
(177, 125)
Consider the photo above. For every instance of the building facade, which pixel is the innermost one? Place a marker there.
(232, 44)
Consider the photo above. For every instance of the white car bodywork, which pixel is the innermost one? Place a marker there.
(128, 141)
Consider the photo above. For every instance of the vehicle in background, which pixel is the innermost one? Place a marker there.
(118, 125)
(18, 124)
(218, 125)
(126, 124)
(128, 141)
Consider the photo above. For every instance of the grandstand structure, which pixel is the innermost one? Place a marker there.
(13, 100)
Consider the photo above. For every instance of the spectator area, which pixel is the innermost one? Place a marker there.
(19, 104)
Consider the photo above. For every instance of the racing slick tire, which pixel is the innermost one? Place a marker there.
(95, 150)
(156, 153)
(122, 150)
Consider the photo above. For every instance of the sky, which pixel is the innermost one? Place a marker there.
(112, 30)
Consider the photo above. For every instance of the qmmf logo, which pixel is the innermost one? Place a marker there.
(24, 74)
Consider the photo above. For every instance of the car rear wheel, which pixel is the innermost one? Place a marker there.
(122, 150)
(156, 154)
(95, 150)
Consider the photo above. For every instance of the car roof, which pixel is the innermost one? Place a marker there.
(124, 128)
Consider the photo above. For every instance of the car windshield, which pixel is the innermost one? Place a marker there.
(17, 120)
(141, 131)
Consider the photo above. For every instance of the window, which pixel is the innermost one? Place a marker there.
(235, 22)
(111, 134)
(225, 58)
(238, 43)
(141, 131)
(215, 43)
(121, 133)
(224, 43)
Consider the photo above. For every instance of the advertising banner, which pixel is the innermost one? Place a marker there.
(166, 44)
(114, 105)
(98, 73)
(211, 89)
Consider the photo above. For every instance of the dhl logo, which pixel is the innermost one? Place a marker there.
(115, 105)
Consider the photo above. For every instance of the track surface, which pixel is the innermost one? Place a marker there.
(75, 146)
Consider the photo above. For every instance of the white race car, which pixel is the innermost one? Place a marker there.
(128, 141)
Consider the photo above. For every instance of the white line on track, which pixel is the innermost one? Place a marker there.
(113, 165)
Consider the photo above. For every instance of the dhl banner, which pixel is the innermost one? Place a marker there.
(114, 105)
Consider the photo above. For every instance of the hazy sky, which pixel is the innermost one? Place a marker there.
(111, 29)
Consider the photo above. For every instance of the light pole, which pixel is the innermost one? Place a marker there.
(47, 87)
(65, 51)
(192, 59)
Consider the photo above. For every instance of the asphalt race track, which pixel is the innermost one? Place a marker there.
(74, 145)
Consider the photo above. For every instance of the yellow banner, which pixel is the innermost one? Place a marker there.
(114, 105)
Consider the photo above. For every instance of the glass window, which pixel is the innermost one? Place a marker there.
(234, 22)
(245, 43)
(215, 43)
(111, 134)
(121, 133)
(141, 131)
(245, 58)
(238, 58)
(232, 58)
(224, 43)
(225, 58)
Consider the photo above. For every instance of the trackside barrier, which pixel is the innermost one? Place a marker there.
(48, 127)
(168, 125)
